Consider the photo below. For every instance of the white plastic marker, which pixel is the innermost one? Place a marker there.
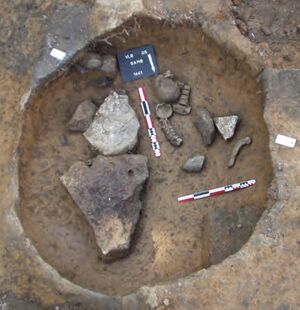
(286, 141)
(150, 122)
(58, 54)
(151, 62)
(217, 191)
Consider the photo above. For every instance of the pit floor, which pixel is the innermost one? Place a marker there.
(169, 238)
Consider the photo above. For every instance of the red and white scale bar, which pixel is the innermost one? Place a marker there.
(217, 191)
(150, 122)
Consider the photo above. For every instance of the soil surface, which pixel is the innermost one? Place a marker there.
(272, 24)
(168, 242)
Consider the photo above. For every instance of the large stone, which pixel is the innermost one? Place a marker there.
(108, 194)
(83, 116)
(194, 164)
(205, 125)
(115, 126)
(226, 125)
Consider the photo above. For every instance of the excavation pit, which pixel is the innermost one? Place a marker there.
(171, 240)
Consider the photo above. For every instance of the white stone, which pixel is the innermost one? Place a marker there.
(226, 125)
(115, 126)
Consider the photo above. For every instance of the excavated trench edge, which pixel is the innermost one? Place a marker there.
(58, 73)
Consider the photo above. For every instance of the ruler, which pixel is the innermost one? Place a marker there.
(150, 122)
(217, 191)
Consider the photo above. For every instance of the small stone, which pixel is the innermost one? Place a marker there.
(166, 302)
(115, 126)
(91, 61)
(181, 109)
(194, 164)
(108, 194)
(167, 89)
(109, 64)
(205, 125)
(226, 125)
(103, 81)
(83, 116)
(164, 110)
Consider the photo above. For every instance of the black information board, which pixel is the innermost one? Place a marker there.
(138, 63)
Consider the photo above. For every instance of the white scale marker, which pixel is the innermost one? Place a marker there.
(151, 62)
(58, 54)
(286, 141)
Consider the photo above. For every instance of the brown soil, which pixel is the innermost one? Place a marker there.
(168, 239)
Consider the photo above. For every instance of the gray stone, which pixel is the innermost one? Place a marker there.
(115, 126)
(91, 61)
(236, 150)
(83, 116)
(205, 125)
(194, 164)
(103, 81)
(167, 89)
(226, 125)
(108, 194)
(109, 65)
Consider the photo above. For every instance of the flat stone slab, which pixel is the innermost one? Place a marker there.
(108, 194)
(226, 125)
(115, 127)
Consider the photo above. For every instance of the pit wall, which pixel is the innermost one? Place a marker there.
(261, 276)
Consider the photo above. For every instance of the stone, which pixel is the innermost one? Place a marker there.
(194, 164)
(226, 125)
(103, 81)
(236, 150)
(164, 110)
(91, 61)
(166, 88)
(83, 116)
(115, 127)
(205, 125)
(109, 65)
(108, 194)
(226, 230)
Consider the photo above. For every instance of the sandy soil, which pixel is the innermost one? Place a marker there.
(168, 239)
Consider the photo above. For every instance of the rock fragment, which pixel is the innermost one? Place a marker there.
(108, 194)
(205, 125)
(226, 125)
(109, 65)
(236, 150)
(166, 88)
(103, 81)
(194, 164)
(91, 61)
(83, 116)
(115, 126)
